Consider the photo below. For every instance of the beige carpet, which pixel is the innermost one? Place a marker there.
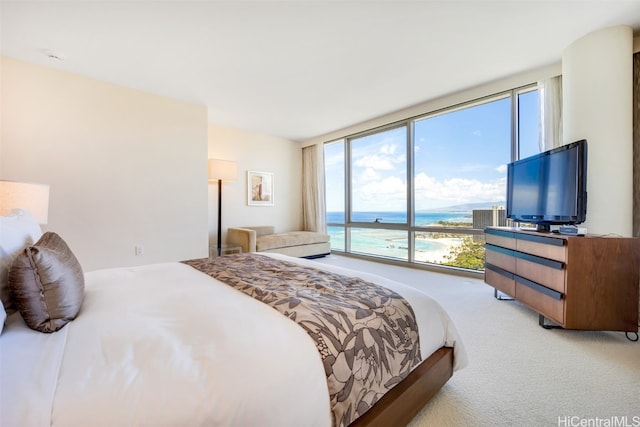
(520, 374)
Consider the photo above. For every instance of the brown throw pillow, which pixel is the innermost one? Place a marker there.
(47, 284)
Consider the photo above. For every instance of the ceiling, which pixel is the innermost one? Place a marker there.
(300, 69)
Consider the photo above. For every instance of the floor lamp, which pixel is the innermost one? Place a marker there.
(221, 170)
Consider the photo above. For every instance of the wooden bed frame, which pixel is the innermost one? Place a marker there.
(405, 400)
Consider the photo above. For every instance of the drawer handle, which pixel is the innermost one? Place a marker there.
(558, 265)
(539, 288)
(502, 233)
(498, 249)
(500, 271)
(542, 239)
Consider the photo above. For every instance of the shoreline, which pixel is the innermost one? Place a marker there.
(389, 243)
(434, 256)
(438, 256)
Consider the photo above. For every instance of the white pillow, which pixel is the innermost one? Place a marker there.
(3, 316)
(17, 231)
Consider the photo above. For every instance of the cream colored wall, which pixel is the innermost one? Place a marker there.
(256, 152)
(125, 168)
(598, 99)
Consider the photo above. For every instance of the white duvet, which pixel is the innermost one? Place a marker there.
(166, 345)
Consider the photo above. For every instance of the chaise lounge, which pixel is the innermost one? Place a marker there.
(302, 244)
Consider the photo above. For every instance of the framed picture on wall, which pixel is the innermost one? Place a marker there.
(259, 188)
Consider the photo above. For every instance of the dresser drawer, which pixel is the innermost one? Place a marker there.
(500, 279)
(542, 246)
(546, 272)
(544, 301)
(500, 257)
(502, 239)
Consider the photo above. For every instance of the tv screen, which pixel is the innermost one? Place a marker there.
(550, 187)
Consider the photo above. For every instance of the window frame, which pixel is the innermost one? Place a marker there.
(409, 227)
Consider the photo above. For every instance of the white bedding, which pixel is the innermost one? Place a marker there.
(166, 345)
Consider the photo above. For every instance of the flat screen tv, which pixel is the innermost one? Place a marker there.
(549, 188)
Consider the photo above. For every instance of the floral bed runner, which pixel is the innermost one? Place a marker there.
(366, 334)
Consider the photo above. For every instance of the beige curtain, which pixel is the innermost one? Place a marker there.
(313, 203)
(636, 145)
(550, 109)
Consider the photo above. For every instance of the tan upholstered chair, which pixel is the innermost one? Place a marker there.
(305, 244)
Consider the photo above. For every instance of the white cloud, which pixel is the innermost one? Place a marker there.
(391, 187)
(374, 162)
(368, 175)
(501, 169)
(388, 149)
(456, 190)
(388, 194)
(384, 159)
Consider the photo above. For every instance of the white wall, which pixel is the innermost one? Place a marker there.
(598, 97)
(125, 168)
(256, 152)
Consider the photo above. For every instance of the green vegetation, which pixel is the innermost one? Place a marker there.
(470, 254)
(454, 224)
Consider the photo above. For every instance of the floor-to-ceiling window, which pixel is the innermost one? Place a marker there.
(334, 179)
(422, 190)
(459, 178)
(378, 190)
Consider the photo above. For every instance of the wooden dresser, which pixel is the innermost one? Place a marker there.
(579, 282)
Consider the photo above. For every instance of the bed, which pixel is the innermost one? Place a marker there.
(169, 344)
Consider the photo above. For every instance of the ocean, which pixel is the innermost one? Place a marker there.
(393, 243)
(422, 218)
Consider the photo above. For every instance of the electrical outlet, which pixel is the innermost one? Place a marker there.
(139, 250)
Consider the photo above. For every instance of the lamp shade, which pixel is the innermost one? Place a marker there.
(225, 170)
(22, 195)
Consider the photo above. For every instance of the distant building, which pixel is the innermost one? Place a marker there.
(494, 217)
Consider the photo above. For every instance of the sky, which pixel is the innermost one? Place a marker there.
(460, 157)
